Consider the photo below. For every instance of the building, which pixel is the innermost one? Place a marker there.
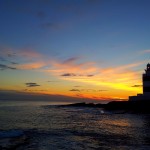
(146, 87)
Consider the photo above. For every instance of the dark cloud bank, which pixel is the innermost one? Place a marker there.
(21, 96)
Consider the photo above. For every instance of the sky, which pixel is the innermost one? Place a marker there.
(90, 49)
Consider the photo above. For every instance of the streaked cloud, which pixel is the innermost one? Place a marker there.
(34, 65)
(71, 60)
(75, 90)
(74, 65)
(5, 67)
(122, 68)
(26, 59)
(7, 52)
(137, 86)
(75, 75)
(31, 84)
(28, 53)
(68, 75)
(23, 59)
(90, 75)
(50, 25)
(102, 90)
(53, 81)
(14, 63)
(77, 86)
(145, 51)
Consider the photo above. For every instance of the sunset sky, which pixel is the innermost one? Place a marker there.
(94, 49)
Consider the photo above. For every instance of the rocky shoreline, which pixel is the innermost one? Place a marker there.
(128, 106)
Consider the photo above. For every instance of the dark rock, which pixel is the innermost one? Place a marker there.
(125, 106)
(83, 104)
(130, 106)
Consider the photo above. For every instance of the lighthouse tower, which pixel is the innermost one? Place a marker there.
(146, 81)
(146, 87)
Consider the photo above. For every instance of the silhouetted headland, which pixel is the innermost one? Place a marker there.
(126, 106)
(83, 104)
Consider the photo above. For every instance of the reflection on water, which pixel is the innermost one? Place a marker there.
(52, 127)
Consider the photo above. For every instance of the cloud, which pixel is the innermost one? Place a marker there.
(68, 75)
(145, 51)
(53, 81)
(122, 68)
(75, 75)
(73, 67)
(5, 67)
(7, 61)
(50, 25)
(29, 53)
(74, 90)
(86, 90)
(90, 75)
(31, 84)
(102, 90)
(24, 52)
(70, 60)
(77, 86)
(93, 90)
(34, 65)
(7, 52)
(14, 63)
(23, 59)
(137, 86)
(26, 59)
(19, 55)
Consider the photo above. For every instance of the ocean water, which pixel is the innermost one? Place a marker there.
(51, 127)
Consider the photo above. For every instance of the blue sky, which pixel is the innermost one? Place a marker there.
(44, 39)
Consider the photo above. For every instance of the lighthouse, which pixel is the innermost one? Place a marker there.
(146, 81)
(146, 87)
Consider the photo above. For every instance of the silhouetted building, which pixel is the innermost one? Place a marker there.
(146, 87)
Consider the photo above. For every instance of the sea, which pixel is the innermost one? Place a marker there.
(31, 125)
